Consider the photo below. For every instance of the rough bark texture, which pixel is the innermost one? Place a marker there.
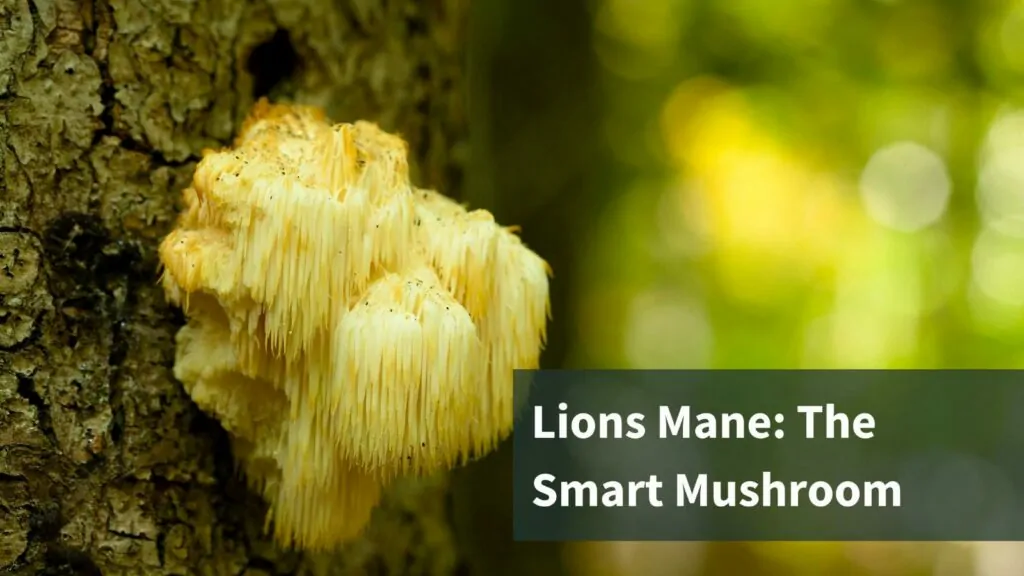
(106, 467)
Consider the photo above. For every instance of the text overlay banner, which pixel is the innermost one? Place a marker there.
(769, 455)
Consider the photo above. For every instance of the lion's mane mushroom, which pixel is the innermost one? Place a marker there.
(344, 326)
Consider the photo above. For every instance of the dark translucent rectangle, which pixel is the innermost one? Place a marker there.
(949, 444)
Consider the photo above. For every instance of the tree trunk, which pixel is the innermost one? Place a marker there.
(106, 467)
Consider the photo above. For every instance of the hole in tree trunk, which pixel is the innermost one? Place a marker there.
(272, 63)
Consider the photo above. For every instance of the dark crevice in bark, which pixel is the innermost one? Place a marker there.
(262, 565)
(107, 90)
(223, 459)
(89, 268)
(118, 353)
(127, 260)
(88, 264)
(19, 230)
(272, 63)
(72, 244)
(107, 93)
(64, 561)
(45, 522)
(27, 390)
(416, 26)
(37, 25)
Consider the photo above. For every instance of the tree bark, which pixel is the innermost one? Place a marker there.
(106, 467)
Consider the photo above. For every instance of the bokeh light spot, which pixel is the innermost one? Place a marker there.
(1000, 192)
(905, 186)
(998, 267)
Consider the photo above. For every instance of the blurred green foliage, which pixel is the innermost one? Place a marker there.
(741, 183)
(798, 184)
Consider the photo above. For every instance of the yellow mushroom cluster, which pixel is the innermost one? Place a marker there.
(345, 327)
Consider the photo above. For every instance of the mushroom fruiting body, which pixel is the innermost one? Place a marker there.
(344, 326)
